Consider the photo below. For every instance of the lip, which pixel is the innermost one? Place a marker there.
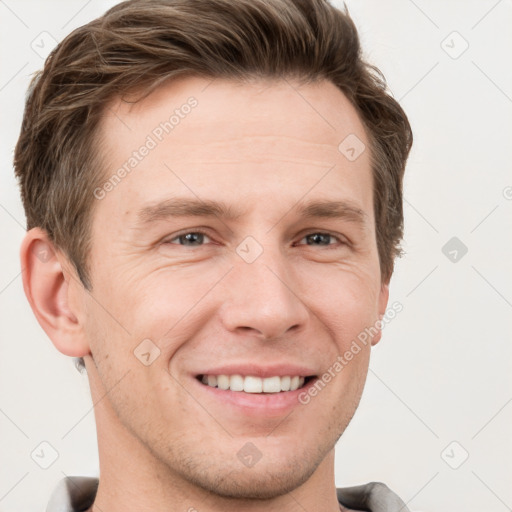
(281, 370)
(256, 405)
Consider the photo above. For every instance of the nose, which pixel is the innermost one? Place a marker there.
(263, 298)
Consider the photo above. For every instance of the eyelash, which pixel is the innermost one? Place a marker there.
(200, 231)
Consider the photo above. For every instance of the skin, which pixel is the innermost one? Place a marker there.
(260, 147)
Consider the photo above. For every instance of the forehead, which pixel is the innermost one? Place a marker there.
(318, 112)
(203, 134)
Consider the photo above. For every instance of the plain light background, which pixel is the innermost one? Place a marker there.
(434, 421)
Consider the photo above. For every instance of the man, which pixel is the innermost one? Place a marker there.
(213, 193)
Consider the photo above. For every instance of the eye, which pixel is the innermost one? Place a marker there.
(189, 239)
(197, 238)
(322, 239)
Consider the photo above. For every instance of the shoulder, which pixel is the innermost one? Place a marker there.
(373, 496)
(72, 494)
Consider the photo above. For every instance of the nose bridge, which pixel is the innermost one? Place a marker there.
(263, 295)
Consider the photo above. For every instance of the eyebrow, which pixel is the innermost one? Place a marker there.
(186, 207)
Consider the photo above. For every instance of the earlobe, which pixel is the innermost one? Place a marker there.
(383, 303)
(47, 289)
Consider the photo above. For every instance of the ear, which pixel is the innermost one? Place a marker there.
(47, 282)
(383, 303)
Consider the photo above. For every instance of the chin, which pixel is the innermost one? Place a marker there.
(265, 482)
(274, 474)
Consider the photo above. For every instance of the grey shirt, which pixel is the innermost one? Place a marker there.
(77, 493)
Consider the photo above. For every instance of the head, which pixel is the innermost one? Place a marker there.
(263, 108)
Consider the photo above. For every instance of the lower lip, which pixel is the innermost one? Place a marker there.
(271, 404)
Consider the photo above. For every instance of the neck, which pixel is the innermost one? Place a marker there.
(133, 479)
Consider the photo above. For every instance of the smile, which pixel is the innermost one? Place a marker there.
(253, 384)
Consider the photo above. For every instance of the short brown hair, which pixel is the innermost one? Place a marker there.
(138, 44)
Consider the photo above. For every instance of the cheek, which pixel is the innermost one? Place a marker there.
(160, 312)
(107, 339)
(172, 304)
(110, 330)
(344, 301)
(120, 371)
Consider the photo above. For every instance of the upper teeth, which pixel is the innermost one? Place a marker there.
(251, 384)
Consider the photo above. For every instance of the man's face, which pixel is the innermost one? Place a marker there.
(258, 291)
